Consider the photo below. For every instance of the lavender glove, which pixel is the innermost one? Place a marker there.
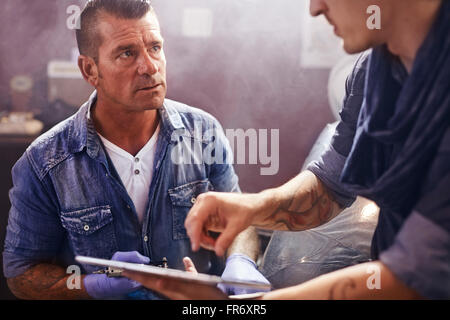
(242, 268)
(100, 286)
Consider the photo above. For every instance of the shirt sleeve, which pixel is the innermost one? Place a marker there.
(420, 255)
(34, 232)
(329, 166)
(222, 174)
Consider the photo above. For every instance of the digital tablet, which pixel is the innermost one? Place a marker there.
(170, 273)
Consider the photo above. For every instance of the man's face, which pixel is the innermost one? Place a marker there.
(131, 62)
(349, 19)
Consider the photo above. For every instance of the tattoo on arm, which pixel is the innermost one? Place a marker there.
(340, 290)
(44, 281)
(304, 208)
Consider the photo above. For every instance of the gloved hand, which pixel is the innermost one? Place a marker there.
(100, 286)
(242, 268)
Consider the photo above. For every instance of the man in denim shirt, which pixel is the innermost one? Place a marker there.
(118, 178)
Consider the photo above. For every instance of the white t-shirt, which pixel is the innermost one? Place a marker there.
(135, 172)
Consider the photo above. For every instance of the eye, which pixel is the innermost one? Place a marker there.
(156, 49)
(126, 54)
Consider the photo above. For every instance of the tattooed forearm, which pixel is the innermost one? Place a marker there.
(341, 289)
(304, 203)
(348, 283)
(305, 211)
(44, 281)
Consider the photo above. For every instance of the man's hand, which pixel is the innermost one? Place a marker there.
(300, 204)
(239, 267)
(229, 213)
(100, 286)
(178, 289)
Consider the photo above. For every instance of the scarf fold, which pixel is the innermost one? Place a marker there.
(400, 126)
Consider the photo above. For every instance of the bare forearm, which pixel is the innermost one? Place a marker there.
(302, 203)
(371, 280)
(247, 242)
(45, 281)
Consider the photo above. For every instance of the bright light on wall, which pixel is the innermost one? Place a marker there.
(197, 22)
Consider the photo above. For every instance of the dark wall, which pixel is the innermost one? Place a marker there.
(247, 73)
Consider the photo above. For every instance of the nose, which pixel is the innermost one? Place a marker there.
(317, 7)
(147, 65)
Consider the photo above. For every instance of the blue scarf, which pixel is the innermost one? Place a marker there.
(400, 126)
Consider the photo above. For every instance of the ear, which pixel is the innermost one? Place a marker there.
(88, 69)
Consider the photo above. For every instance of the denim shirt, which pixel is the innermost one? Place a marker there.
(67, 199)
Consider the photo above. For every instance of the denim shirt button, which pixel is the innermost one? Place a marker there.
(145, 238)
(86, 227)
(193, 200)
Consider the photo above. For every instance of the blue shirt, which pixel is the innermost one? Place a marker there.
(416, 246)
(68, 200)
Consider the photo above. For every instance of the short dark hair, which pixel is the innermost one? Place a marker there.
(88, 37)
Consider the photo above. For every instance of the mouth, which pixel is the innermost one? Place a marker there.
(150, 88)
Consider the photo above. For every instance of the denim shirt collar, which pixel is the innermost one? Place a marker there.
(84, 133)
